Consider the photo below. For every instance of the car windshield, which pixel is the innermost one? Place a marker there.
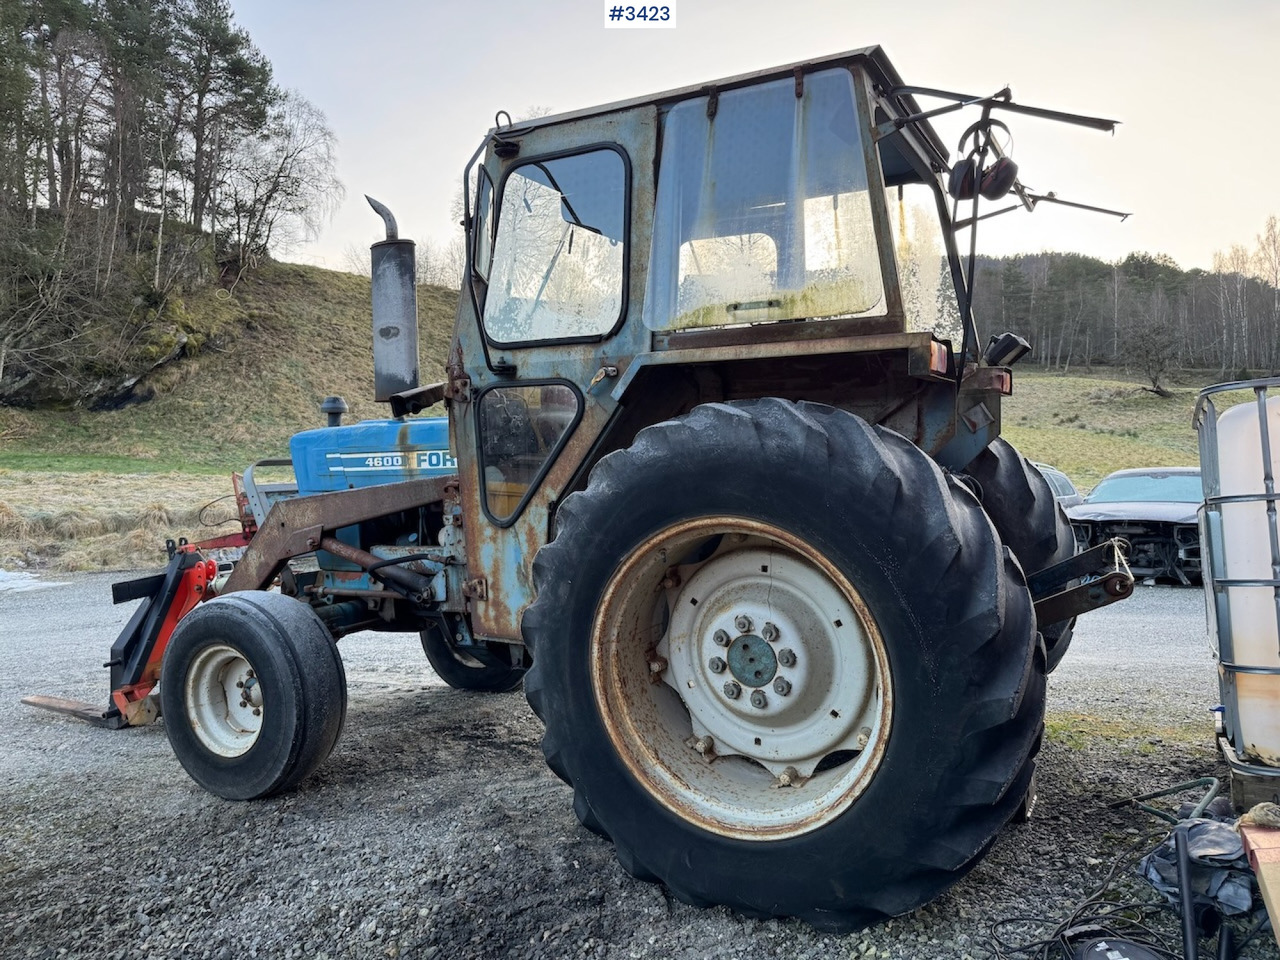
(1175, 488)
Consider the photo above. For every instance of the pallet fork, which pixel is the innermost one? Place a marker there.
(139, 650)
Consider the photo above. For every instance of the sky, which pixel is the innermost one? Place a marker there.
(410, 89)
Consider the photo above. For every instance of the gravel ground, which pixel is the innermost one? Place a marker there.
(435, 830)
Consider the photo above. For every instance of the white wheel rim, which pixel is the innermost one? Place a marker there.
(801, 736)
(224, 701)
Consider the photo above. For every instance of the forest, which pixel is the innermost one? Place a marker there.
(1143, 313)
(146, 154)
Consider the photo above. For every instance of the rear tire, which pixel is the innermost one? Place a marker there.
(866, 562)
(1026, 514)
(253, 694)
(462, 671)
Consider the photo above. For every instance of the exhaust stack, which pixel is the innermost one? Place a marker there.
(395, 311)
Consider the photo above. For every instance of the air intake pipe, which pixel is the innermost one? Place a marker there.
(395, 311)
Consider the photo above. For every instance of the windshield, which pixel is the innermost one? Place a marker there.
(763, 211)
(1173, 488)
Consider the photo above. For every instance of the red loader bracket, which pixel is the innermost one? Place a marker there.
(137, 654)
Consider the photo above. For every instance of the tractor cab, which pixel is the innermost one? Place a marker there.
(787, 233)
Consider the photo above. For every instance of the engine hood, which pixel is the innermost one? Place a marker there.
(1159, 511)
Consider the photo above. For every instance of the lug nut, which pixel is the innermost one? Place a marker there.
(657, 665)
(716, 665)
(721, 637)
(257, 711)
(786, 657)
(770, 632)
(864, 737)
(759, 700)
(743, 623)
(732, 690)
(782, 686)
(239, 683)
(703, 745)
(244, 703)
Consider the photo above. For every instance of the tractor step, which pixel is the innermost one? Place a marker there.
(109, 718)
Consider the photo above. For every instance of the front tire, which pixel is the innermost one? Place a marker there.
(253, 694)
(901, 738)
(463, 671)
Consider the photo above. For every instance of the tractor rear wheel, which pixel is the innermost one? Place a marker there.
(253, 694)
(1026, 514)
(785, 664)
(463, 670)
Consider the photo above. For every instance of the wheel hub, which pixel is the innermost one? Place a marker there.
(752, 661)
(770, 659)
(772, 757)
(224, 700)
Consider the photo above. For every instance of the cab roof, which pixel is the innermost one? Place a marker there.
(873, 59)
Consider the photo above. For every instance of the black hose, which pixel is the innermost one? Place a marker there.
(1224, 943)
(1189, 950)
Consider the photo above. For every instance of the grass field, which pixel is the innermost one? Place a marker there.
(102, 490)
(1088, 426)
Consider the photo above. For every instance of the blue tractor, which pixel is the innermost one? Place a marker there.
(723, 486)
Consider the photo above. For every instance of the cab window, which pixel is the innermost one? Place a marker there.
(559, 257)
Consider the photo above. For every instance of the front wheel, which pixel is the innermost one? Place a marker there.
(253, 694)
(463, 668)
(785, 664)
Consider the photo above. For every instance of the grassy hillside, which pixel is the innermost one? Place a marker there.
(86, 490)
(1088, 426)
(288, 337)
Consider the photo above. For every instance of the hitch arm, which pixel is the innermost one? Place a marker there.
(1104, 575)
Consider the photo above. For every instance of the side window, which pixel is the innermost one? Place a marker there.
(924, 272)
(521, 431)
(559, 259)
(483, 224)
(1060, 485)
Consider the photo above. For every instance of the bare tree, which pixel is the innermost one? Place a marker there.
(1267, 260)
(355, 259)
(282, 186)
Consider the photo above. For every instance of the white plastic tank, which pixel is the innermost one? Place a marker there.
(1247, 546)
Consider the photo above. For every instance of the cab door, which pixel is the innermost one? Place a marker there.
(559, 244)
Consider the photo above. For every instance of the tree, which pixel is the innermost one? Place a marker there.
(281, 186)
(1267, 259)
(221, 89)
(1147, 343)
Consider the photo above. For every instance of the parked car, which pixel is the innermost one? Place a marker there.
(1064, 491)
(1155, 510)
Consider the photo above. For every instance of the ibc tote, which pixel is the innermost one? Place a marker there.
(1240, 551)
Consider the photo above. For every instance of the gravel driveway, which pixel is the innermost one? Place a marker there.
(435, 830)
